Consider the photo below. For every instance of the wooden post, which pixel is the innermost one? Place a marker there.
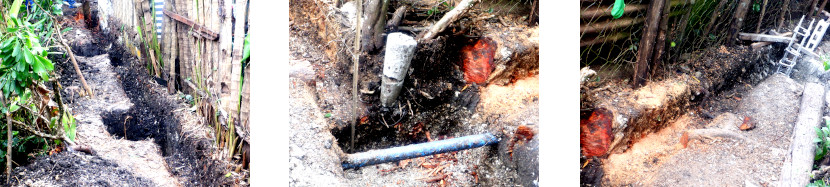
(372, 7)
(738, 21)
(647, 42)
(761, 18)
(171, 50)
(715, 14)
(783, 14)
(232, 105)
(660, 45)
(812, 8)
(821, 7)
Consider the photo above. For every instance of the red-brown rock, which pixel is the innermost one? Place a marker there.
(596, 133)
(478, 60)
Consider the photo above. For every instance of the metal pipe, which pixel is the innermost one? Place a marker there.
(418, 150)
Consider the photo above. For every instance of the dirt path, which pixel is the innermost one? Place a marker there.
(139, 134)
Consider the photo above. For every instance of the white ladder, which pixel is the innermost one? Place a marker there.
(793, 50)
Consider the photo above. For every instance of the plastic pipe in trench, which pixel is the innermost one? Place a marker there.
(418, 150)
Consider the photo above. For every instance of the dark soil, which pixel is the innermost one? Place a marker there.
(427, 101)
(76, 169)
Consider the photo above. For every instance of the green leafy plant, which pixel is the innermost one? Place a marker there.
(826, 61)
(26, 33)
(822, 140)
(817, 183)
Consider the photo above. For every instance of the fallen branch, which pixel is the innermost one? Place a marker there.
(433, 179)
(72, 57)
(451, 16)
(702, 134)
(396, 18)
(199, 29)
(820, 172)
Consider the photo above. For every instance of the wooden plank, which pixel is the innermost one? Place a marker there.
(225, 65)
(170, 48)
(763, 37)
(199, 29)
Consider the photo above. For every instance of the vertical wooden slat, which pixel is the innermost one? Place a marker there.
(171, 51)
(236, 69)
(223, 86)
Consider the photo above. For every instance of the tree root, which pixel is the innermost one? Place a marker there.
(701, 134)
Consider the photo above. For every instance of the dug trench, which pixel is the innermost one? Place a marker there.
(139, 134)
(433, 101)
(700, 87)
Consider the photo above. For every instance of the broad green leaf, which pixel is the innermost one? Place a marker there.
(15, 8)
(28, 56)
(46, 63)
(13, 107)
(618, 9)
(6, 43)
(38, 67)
(16, 50)
(246, 51)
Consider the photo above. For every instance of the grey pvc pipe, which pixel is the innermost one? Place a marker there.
(418, 150)
(399, 51)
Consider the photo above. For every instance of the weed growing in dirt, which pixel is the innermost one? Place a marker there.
(817, 183)
(823, 140)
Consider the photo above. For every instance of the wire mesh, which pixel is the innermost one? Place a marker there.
(612, 43)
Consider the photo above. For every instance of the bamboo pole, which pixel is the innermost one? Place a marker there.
(356, 70)
(236, 66)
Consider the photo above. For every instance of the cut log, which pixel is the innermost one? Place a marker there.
(799, 161)
(738, 21)
(637, 113)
